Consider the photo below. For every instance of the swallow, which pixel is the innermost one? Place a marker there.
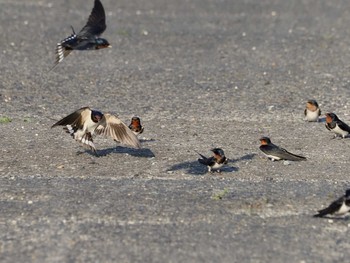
(275, 152)
(88, 38)
(84, 123)
(216, 161)
(312, 111)
(337, 126)
(136, 126)
(339, 207)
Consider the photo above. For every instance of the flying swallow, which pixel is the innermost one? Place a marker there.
(275, 152)
(84, 123)
(88, 38)
(136, 126)
(216, 161)
(312, 112)
(339, 207)
(337, 126)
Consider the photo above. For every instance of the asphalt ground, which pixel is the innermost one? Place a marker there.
(200, 74)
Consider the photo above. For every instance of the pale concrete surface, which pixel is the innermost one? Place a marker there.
(200, 74)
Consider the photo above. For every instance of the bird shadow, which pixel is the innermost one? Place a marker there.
(323, 119)
(335, 218)
(143, 152)
(195, 168)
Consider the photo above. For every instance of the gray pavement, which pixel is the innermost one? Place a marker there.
(200, 74)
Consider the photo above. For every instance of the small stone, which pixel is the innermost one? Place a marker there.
(286, 163)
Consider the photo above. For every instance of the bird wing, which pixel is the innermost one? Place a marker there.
(305, 112)
(75, 119)
(201, 155)
(332, 208)
(61, 52)
(347, 201)
(112, 126)
(205, 160)
(96, 23)
(208, 161)
(291, 156)
(343, 126)
(282, 153)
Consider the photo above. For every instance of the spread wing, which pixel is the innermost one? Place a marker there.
(61, 53)
(75, 119)
(112, 126)
(96, 23)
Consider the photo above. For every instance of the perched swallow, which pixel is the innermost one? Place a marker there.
(85, 122)
(312, 112)
(136, 126)
(88, 38)
(339, 207)
(274, 152)
(336, 125)
(216, 161)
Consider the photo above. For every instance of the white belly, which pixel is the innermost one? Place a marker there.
(312, 115)
(89, 126)
(343, 209)
(340, 131)
(217, 165)
(273, 158)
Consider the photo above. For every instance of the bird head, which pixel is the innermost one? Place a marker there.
(97, 116)
(312, 105)
(330, 116)
(102, 43)
(265, 140)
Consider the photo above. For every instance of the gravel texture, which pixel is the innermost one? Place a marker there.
(200, 74)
